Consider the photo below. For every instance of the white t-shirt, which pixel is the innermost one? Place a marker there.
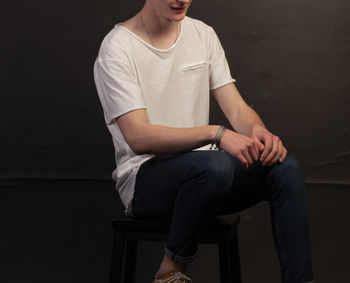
(173, 85)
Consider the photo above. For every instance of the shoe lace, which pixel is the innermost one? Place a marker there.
(176, 277)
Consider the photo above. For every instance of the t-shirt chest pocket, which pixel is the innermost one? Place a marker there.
(195, 72)
(200, 65)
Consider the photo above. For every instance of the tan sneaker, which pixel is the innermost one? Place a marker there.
(172, 277)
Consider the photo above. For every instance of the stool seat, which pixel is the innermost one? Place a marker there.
(128, 231)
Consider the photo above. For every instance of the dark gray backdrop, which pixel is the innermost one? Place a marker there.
(291, 60)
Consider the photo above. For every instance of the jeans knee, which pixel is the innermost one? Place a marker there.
(287, 177)
(291, 168)
(216, 170)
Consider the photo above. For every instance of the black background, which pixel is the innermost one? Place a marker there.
(291, 60)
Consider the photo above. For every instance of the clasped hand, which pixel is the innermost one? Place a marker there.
(262, 145)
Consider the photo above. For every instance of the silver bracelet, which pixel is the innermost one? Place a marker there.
(217, 139)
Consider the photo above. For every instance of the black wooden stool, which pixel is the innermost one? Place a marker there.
(128, 231)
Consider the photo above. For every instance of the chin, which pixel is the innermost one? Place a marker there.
(178, 15)
(178, 18)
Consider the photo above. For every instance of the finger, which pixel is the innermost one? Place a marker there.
(273, 152)
(273, 160)
(256, 147)
(259, 144)
(243, 160)
(254, 151)
(284, 155)
(267, 148)
(278, 154)
(247, 156)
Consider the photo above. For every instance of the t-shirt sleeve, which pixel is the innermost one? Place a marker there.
(219, 69)
(116, 83)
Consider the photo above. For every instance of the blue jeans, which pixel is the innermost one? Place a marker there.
(192, 188)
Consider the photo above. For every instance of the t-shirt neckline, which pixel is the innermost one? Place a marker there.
(149, 45)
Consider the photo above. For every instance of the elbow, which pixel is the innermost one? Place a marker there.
(138, 150)
(137, 146)
(137, 137)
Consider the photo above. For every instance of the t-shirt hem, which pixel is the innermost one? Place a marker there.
(220, 84)
(112, 118)
(131, 188)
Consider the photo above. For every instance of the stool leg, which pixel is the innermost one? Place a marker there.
(235, 262)
(230, 269)
(117, 257)
(225, 273)
(130, 261)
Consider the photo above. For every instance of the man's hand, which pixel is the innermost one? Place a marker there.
(247, 149)
(270, 145)
(246, 121)
(244, 148)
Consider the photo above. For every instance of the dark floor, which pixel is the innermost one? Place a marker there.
(60, 232)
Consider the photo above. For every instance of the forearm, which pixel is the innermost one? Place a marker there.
(241, 117)
(245, 120)
(153, 139)
(253, 137)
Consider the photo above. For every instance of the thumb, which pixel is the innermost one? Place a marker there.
(259, 143)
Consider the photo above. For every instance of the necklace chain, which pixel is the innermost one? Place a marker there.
(149, 36)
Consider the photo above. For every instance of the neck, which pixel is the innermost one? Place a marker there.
(156, 24)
